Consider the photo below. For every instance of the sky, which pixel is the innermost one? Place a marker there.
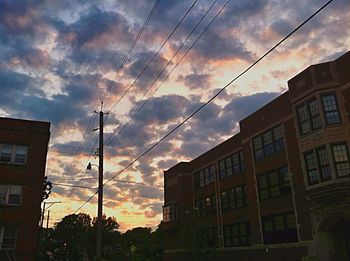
(60, 58)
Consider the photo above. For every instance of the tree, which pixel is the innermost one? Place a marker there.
(110, 235)
(72, 235)
(47, 187)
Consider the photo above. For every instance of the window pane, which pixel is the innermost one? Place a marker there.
(284, 176)
(6, 153)
(201, 179)
(262, 179)
(258, 151)
(322, 156)
(222, 168)
(268, 146)
(304, 122)
(259, 154)
(278, 132)
(332, 117)
(267, 137)
(313, 108)
(331, 110)
(313, 176)
(341, 158)
(302, 113)
(329, 103)
(275, 191)
(16, 190)
(9, 238)
(232, 198)
(239, 197)
(264, 193)
(325, 169)
(21, 154)
(279, 225)
(343, 169)
(340, 153)
(207, 177)
(3, 192)
(224, 200)
(311, 167)
(257, 142)
(267, 225)
(211, 173)
(273, 178)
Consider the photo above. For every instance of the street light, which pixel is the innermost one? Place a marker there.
(99, 211)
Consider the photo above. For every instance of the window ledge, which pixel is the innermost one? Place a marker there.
(12, 163)
(330, 191)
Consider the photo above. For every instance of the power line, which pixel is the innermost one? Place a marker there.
(127, 56)
(154, 55)
(138, 107)
(212, 98)
(70, 185)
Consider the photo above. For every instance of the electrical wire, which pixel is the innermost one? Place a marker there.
(212, 98)
(126, 58)
(154, 55)
(138, 107)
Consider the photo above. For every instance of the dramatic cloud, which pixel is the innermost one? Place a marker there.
(60, 59)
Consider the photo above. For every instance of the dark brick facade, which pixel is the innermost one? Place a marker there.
(288, 198)
(23, 170)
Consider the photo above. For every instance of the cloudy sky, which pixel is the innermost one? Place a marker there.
(60, 58)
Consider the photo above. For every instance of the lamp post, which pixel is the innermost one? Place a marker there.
(100, 186)
(99, 211)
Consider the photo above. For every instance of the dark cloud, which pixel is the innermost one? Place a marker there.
(97, 29)
(166, 164)
(163, 109)
(216, 46)
(150, 71)
(242, 106)
(196, 80)
(18, 17)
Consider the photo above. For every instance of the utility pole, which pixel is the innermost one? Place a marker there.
(46, 208)
(48, 219)
(100, 189)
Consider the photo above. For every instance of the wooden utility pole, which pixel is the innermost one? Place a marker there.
(100, 189)
(48, 219)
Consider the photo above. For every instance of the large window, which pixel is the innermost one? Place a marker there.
(233, 198)
(268, 143)
(279, 228)
(231, 165)
(8, 238)
(170, 213)
(317, 165)
(10, 195)
(309, 117)
(330, 108)
(237, 234)
(204, 176)
(341, 159)
(15, 154)
(205, 206)
(207, 237)
(274, 183)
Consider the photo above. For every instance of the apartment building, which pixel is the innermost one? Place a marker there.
(278, 189)
(23, 150)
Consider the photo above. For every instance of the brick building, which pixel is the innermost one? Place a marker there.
(23, 149)
(279, 189)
